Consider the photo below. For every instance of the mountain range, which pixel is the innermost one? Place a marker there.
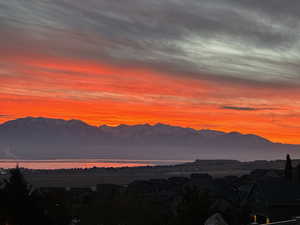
(46, 138)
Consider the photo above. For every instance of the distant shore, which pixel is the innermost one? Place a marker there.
(86, 177)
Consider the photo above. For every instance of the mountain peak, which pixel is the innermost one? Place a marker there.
(42, 121)
(77, 123)
(211, 133)
(39, 137)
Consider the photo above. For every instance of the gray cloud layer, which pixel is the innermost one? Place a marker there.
(240, 108)
(248, 40)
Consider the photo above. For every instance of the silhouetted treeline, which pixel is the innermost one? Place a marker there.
(173, 201)
(22, 205)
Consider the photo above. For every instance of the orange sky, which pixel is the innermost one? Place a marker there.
(223, 65)
(101, 93)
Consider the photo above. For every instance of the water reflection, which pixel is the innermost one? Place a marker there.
(67, 165)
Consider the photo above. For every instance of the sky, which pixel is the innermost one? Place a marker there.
(229, 65)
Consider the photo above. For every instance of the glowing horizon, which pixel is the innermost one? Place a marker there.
(225, 66)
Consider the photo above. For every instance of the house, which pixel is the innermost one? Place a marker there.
(275, 199)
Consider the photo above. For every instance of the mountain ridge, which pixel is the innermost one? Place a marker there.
(82, 123)
(40, 137)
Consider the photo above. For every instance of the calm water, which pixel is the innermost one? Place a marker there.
(84, 163)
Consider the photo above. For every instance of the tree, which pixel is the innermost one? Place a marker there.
(20, 202)
(288, 171)
(2, 206)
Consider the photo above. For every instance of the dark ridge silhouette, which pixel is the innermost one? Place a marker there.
(45, 138)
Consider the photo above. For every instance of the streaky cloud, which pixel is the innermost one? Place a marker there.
(201, 38)
(239, 108)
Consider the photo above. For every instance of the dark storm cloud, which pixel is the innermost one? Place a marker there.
(247, 40)
(239, 108)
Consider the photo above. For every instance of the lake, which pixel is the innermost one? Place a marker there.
(84, 163)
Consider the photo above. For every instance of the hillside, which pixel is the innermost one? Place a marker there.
(43, 138)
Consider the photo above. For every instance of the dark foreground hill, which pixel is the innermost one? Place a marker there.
(42, 138)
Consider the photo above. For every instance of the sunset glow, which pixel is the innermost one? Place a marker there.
(60, 69)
